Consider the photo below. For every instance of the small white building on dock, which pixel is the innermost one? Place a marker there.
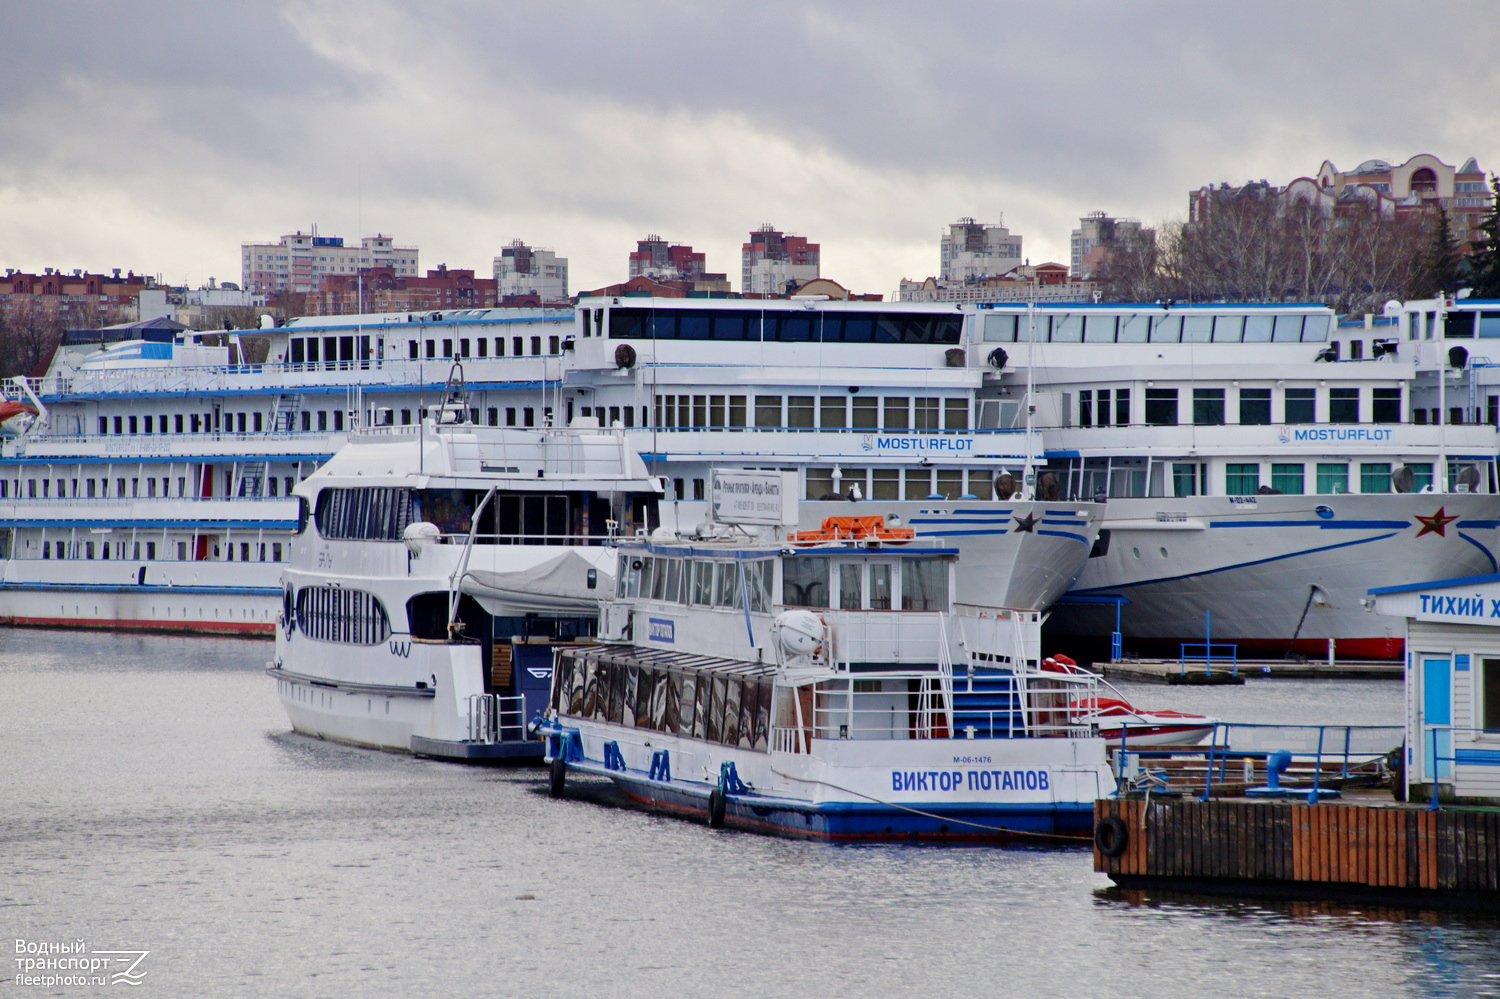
(1452, 685)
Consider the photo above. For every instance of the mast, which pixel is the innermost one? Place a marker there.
(1028, 470)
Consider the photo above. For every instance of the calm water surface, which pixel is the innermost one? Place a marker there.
(154, 799)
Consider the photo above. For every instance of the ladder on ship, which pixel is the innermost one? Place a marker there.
(252, 478)
(284, 415)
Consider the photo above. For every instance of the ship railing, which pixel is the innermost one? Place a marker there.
(497, 718)
(270, 374)
(518, 538)
(158, 444)
(1317, 756)
(875, 706)
(879, 636)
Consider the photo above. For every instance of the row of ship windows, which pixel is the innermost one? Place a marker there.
(1171, 328)
(482, 347)
(213, 423)
(1111, 407)
(336, 614)
(1249, 478)
(715, 707)
(844, 411)
(248, 551)
(339, 349)
(912, 483)
(136, 487)
(767, 326)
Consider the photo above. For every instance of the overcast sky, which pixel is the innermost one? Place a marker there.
(157, 136)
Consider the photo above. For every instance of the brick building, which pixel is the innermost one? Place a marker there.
(382, 289)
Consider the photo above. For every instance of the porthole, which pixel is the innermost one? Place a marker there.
(1163, 552)
(1136, 552)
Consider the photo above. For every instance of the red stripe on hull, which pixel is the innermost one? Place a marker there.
(250, 629)
(1376, 647)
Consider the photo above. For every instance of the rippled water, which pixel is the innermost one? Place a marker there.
(155, 800)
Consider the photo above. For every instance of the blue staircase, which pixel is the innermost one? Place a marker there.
(987, 701)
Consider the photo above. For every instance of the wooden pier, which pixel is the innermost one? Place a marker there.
(1385, 852)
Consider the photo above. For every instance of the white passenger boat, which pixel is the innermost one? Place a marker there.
(827, 689)
(1260, 469)
(434, 565)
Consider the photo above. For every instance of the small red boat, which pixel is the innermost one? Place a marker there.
(1117, 718)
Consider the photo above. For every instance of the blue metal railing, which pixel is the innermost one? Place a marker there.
(1211, 652)
(1469, 755)
(1348, 745)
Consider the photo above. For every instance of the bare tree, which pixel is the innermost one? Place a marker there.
(232, 317)
(1251, 245)
(30, 330)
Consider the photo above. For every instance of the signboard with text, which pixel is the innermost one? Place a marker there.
(738, 497)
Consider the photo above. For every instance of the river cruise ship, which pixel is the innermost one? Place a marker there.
(153, 489)
(1260, 465)
(832, 690)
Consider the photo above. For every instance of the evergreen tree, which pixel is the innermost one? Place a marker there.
(1443, 266)
(1484, 257)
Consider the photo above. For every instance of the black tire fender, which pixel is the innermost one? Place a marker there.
(716, 808)
(1111, 836)
(557, 777)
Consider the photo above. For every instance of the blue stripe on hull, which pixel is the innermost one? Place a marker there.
(868, 821)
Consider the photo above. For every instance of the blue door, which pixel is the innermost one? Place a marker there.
(1437, 709)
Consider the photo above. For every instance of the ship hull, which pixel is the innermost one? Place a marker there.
(1274, 572)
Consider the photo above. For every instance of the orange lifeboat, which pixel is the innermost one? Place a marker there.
(853, 529)
(13, 416)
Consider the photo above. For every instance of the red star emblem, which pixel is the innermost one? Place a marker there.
(1435, 524)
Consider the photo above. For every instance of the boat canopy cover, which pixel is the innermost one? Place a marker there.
(558, 584)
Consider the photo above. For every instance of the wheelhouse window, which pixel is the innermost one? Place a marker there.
(1300, 405)
(924, 584)
(1343, 405)
(1208, 407)
(1385, 405)
(1255, 406)
(1161, 407)
(804, 582)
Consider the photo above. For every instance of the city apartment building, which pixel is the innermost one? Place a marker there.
(972, 251)
(659, 260)
(300, 260)
(526, 272)
(1097, 237)
(773, 262)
